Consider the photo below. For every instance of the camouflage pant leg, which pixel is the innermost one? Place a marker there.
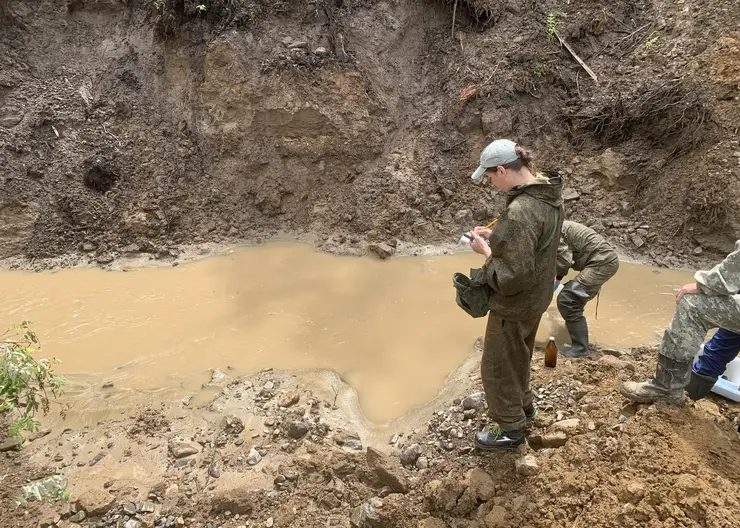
(594, 277)
(505, 369)
(695, 316)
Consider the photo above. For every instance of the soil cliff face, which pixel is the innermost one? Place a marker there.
(129, 127)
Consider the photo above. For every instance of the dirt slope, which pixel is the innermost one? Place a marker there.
(128, 129)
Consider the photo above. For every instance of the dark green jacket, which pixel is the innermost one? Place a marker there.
(581, 246)
(524, 245)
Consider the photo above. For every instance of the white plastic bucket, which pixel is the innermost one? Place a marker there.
(728, 385)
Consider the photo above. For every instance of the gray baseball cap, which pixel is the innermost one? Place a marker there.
(497, 153)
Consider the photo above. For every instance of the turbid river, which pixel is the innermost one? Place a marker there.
(391, 329)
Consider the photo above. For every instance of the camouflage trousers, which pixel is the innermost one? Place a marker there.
(505, 369)
(695, 316)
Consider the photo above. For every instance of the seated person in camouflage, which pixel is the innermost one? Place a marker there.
(584, 250)
(713, 301)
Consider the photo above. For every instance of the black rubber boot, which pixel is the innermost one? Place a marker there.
(699, 385)
(578, 340)
(496, 439)
(571, 303)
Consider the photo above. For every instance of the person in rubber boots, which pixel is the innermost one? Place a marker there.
(713, 301)
(586, 251)
(521, 251)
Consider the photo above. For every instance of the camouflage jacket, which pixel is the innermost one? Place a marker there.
(581, 246)
(524, 246)
(724, 278)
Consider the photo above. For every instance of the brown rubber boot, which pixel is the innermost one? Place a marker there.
(667, 385)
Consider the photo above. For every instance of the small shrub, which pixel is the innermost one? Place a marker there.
(552, 26)
(26, 385)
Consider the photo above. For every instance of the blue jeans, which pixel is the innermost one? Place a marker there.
(718, 353)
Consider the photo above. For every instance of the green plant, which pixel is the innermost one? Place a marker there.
(201, 8)
(158, 4)
(25, 383)
(652, 39)
(540, 71)
(552, 26)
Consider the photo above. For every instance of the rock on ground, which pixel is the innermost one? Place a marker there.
(183, 449)
(527, 466)
(289, 398)
(386, 471)
(475, 401)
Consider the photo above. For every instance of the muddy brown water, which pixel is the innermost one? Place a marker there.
(390, 329)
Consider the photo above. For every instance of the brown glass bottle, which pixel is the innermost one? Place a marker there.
(551, 353)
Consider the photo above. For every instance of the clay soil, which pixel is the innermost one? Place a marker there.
(270, 452)
(133, 129)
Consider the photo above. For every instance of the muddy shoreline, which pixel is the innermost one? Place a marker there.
(275, 441)
(183, 254)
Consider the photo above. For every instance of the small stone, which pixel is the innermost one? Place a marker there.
(698, 250)
(146, 507)
(269, 386)
(637, 241)
(254, 457)
(422, 463)
(555, 439)
(626, 210)
(182, 449)
(297, 430)
(383, 468)
(394, 439)
(480, 485)
(100, 456)
(475, 401)
(269, 522)
(217, 376)
(321, 51)
(591, 426)
(567, 426)
(289, 398)
(410, 455)
(105, 258)
(78, 517)
(132, 524)
(382, 250)
(108, 385)
(348, 439)
(570, 195)
(214, 470)
(58, 458)
(10, 116)
(88, 247)
(633, 493)
(129, 509)
(464, 215)
(527, 466)
(616, 363)
(364, 516)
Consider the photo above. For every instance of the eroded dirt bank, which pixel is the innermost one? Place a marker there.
(272, 450)
(130, 130)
